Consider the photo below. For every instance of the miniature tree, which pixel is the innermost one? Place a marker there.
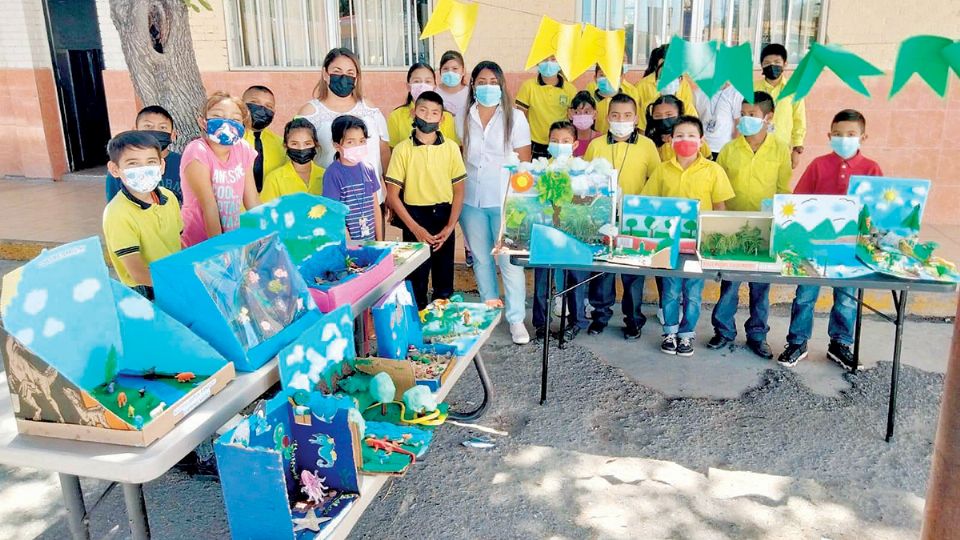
(110, 368)
(650, 223)
(382, 390)
(912, 221)
(690, 226)
(631, 224)
(553, 188)
(749, 239)
(864, 220)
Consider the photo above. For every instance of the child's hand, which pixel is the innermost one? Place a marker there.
(423, 236)
(441, 238)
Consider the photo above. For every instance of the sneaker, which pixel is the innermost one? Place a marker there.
(669, 344)
(631, 332)
(792, 354)
(685, 346)
(540, 332)
(468, 259)
(718, 342)
(518, 332)
(571, 333)
(842, 354)
(596, 328)
(760, 348)
(587, 309)
(558, 307)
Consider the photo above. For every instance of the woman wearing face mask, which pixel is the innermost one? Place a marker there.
(491, 130)
(662, 115)
(299, 173)
(545, 100)
(339, 92)
(453, 84)
(217, 171)
(420, 78)
(647, 91)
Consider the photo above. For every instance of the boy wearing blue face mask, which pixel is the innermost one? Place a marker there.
(141, 224)
(545, 100)
(830, 175)
(156, 121)
(758, 166)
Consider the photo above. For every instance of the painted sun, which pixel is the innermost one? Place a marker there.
(788, 210)
(889, 195)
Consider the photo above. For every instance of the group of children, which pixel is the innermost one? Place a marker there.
(656, 141)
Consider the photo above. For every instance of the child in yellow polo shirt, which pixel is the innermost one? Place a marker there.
(691, 176)
(758, 166)
(142, 223)
(634, 157)
(646, 89)
(420, 78)
(661, 115)
(429, 170)
(269, 146)
(299, 173)
(545, 100)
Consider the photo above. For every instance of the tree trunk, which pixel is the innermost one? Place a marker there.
(158, 49)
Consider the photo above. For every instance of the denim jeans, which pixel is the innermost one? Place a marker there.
(680, 293)
(724, 316)
(603, 294)
(843, 315)
(575, 298)
(481, 227)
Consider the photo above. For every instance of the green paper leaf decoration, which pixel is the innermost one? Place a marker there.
(710, 65)
(846, 65)
(930, 57)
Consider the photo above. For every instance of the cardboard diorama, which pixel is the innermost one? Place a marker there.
(320, 372)
(87, 358)
(288, 472)
(402, 251)
(889, 229)
(573, 196)
(397, 322)
(654, 231)
(240, 292)
(457, 324)
(816, 235)
(736, 241)
(314, 230)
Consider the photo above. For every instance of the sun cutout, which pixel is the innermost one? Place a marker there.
(521, 182)
(317, 211)
(788, 210)
(889, 195)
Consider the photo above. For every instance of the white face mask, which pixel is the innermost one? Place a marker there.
(622, 129)
(142, 179)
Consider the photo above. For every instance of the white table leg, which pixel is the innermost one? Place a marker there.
(77, 518)
(136, 511)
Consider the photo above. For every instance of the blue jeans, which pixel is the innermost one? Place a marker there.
(481, 227)
(680, 293)
(603, 294)
(724, 316)
(843, 315)
(575, 298)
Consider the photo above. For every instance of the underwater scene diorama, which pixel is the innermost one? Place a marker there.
(816, 235)
(340, 275)
(305, 223)
(111, 381)
(402, 251)
(456, 323)
(653, 231)
(573, 196)
(737, 241)
(889, 229)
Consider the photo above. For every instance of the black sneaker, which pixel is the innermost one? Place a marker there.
(792, 354)
(842, 354)
(631, 332)
(685, 346)
(669, 344)
(760, 348)
(596, 328)
(571, 332)
(718, 342)
(540, 333)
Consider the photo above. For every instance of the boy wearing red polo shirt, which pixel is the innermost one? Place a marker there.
(830, 175)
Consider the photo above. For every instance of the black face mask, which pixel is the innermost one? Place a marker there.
(656, 129)
(772, 72)
(162, 137)
(260, 116)
(342, 85)
(424, 126)
(302, 155)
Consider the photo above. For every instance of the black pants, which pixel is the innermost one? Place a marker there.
(440, 265)
(538, 150)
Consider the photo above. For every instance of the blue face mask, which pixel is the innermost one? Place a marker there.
(560, 150)
(845, 147)
(488, 95)
(224, 131)
(548, 68)
(607, 89)
(749, 126)
(450, 78)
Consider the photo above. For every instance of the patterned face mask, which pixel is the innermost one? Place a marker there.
(224, 131)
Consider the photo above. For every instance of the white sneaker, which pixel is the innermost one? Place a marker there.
(558, 306)
(518, 332)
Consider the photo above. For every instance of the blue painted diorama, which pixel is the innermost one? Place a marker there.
(457, 324)
(239, 291)
(287, 472)
(816, 235)
(396, 322)
(654, 231)
(550, 246)
(889, 229)
(127, 377)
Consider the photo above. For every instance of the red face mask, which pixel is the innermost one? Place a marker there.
(685, 148)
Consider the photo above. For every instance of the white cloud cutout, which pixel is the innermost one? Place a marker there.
(137, 307)
(25, 336)
(336, 348)
(295, 356)
(35, 301)
(86, 290)
(299, 381)
(52, 327)
(289, 220)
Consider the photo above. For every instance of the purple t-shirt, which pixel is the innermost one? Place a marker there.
(354, 186)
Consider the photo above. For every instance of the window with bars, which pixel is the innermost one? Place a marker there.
(650, 23)
(298, 33)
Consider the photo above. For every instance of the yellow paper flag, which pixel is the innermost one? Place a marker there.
(457, 17)
(604, 47)
(568, 50)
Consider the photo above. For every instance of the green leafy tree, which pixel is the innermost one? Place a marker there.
(649, 223)
(553, 188)
(690, 228)
(912, 221)
(631, 224)
(110, 368)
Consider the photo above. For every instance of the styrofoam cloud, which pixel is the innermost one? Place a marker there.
(296, 356)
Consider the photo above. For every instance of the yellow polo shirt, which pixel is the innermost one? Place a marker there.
(274, 153)
(703, 180)
(647, 93)
(284, 180)
(544, 105)
(426, 173)
(634, 159)
(755, 176)
(132, 226)
(789, 117)
(667, 152)
(603, 103)
(400, 125)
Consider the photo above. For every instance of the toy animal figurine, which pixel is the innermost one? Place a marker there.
(121, 399)
(142, 391)
(388, 447)
(420, 399)
(111, 387)
(313, 486)
(466, 317)
(131, 412)
(496, 303)
(185, 377)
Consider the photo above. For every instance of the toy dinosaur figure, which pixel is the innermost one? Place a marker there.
(389, 447)
(186, 376)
